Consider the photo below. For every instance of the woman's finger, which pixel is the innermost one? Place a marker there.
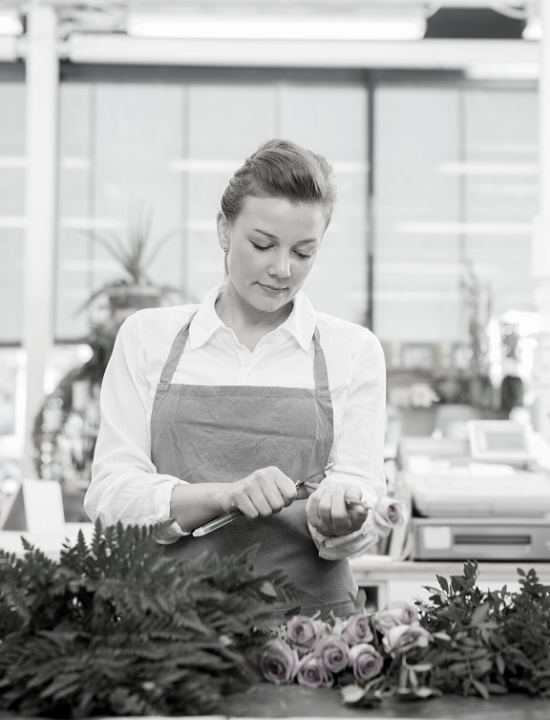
(339, 517)
(257, 495)
(246, 506)
(286, 488)
(313, 510)
(274, 497)
(325, 507)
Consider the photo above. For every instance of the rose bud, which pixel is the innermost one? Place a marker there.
(387, 514)
(302, 632)
(397, 613)
(366, 662)
(278, 662)
(400, 636)
(357, 629)
(334, 653)
(312, 673)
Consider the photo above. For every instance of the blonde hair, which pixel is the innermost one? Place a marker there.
(280, 168)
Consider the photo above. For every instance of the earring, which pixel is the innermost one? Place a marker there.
(225, 248)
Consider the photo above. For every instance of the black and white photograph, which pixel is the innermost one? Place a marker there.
(275, 359)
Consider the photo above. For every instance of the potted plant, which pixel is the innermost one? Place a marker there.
(478, 303)
(65, 428)
(135, 254)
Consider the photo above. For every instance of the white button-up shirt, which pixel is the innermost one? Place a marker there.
(125, 484)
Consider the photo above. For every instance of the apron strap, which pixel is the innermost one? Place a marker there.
(175, 353)
(320, 372)
(320, 458)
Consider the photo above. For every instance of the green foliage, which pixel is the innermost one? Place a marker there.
(498, 640)
(116, 628)
(481, 643)
(133, 252)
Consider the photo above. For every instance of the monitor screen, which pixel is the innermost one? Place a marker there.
(499, 441)
(504, 441)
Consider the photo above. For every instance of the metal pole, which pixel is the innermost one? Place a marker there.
(42, 83)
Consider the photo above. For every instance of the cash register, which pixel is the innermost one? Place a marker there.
(485, 497)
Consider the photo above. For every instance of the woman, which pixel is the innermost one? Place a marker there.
(227, 405)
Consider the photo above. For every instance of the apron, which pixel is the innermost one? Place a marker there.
(203, 433)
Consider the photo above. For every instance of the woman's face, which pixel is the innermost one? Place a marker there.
(271, 248)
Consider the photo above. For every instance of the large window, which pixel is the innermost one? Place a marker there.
(12, 200)
(171, 139)
(12, 222)
(454, 189)
(455, 193)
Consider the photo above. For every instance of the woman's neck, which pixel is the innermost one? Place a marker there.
(247, 322)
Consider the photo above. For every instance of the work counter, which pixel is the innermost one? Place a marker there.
(293, 701)
(266, 700)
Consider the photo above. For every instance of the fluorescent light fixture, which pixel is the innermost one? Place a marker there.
(488, 168)
(193, 27)
(460, 228)
(10, 23)
(504, 71)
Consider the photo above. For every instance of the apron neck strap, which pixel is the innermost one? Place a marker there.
(320, 372)
(175, 354)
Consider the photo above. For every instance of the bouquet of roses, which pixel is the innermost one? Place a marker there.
(318, 654)
(351, 653)
(312, 652)
(463, 640)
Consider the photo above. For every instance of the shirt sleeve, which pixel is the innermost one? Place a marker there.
(125, 485)
(358, 449)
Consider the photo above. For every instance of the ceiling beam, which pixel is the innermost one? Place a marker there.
(425, 54)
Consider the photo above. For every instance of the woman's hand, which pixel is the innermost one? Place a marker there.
(328, 513)
(265, 492)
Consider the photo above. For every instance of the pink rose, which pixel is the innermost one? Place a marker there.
(400, 636)
(333, 652)
(357, 629)
(387, 514)
(278, 662)
(312, 673)
(366, 662)
(302, 632)
(397, 613)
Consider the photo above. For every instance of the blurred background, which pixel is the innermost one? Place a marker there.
(121, 123)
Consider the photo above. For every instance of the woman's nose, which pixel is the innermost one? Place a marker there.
(281, 266)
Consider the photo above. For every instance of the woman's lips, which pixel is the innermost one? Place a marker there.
(272, 289)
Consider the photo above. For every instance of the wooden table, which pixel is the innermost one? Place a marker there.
(272, 701)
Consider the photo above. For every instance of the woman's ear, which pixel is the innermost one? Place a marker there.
(223, 227)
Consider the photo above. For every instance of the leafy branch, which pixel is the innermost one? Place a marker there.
(481, 643)
(116, 628)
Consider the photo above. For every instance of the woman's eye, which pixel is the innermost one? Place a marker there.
(304, 256)
(260, 247)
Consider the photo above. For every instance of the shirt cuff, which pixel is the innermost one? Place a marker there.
(342, 546)
(163, 498)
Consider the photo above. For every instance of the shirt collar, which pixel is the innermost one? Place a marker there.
(300, 323)
(206, 320)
